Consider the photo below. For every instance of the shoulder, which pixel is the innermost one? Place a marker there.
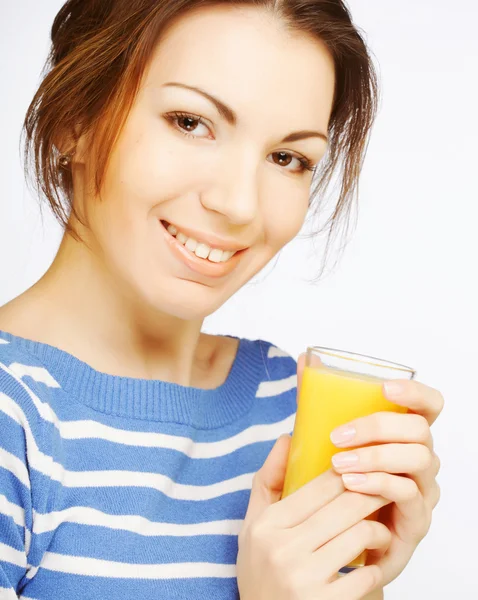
(24, 384)
(278, 368)
(275, 397)
(277, 361)
(26, 420)
(17, 362)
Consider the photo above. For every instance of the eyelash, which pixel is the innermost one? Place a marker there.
(306, 164)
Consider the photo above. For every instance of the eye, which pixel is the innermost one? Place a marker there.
(304, 163)
(185, 123)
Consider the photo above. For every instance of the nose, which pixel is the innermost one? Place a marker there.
(236, 194)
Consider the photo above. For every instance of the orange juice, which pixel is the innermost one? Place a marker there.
(329, 398)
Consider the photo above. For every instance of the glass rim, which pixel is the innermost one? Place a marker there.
(356, 357)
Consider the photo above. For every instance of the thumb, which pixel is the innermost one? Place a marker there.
(269, 480)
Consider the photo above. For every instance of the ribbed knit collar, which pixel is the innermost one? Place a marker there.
(153, 399)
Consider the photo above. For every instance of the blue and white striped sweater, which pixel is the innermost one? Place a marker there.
(114, 487)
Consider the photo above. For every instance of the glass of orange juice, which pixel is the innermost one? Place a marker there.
(336, 387)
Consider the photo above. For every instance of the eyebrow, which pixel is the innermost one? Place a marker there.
(230, 116)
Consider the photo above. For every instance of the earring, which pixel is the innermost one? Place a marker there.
(65, 160)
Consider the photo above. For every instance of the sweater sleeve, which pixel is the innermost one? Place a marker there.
(20, 431)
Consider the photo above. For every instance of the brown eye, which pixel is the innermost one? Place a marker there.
(284, 158)
(189, 123)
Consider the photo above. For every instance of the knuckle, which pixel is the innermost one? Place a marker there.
(373, 456)
(382, 534)
(276, 558)
(376, 422)
(423, 428)
(367, 530)
(412, 491)
(370, 534)
(424, 458)
(386, 486)
(257, 534)
(372, 577)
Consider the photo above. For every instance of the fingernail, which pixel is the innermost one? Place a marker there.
(354, 479)
(345, 459)
(343, 434)
(393, 389)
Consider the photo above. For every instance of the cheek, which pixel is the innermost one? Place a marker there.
(155, 163)
(145, 171)
(284, 219)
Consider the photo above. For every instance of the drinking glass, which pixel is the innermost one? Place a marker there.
(337, 386)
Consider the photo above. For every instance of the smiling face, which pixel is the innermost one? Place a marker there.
(220, 169)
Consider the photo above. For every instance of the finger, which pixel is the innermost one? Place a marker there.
(396, 488)
(307, 500)
(268, 482)
(383, 427)
(416, 396)
(433, 496)
(343, 549)
(333, 519)
(391, 458)
(357, 584)
(426, 480)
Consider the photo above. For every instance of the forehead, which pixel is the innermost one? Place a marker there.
(246, 57)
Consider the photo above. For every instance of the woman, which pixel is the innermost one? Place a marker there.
(177, 143)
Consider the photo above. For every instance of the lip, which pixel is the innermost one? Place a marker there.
(200, 265)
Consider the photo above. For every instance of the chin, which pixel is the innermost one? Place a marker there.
(197, 302)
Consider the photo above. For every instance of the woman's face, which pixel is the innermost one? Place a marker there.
(222, 179)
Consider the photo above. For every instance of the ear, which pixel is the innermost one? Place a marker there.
(72, 141)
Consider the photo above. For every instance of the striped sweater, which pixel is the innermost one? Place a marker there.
(116, 487)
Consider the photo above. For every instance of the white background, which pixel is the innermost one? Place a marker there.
(406, 288)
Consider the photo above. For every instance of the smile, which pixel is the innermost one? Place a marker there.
(200, 249)
(203, 253)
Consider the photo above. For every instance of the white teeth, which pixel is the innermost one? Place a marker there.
(191, 244)
(181, 238)
(199, 249)
(226, 255)
(216, 255)
(202, 251)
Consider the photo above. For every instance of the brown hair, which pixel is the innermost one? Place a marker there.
(100, 50)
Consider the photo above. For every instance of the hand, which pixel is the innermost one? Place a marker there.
(403, 469)
(294, 548)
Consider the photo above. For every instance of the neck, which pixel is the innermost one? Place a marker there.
(81, 308)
